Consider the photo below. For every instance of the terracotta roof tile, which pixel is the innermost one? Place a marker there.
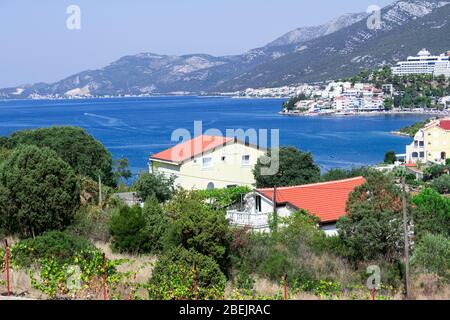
(191, 148)
(326, 200)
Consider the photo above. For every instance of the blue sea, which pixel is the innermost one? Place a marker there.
(137, 127)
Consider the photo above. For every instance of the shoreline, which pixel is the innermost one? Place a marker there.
(369, 113)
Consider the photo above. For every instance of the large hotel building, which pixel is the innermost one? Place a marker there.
(424, 63)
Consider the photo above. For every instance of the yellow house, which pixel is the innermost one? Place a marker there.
(208, 162)
(431, 144)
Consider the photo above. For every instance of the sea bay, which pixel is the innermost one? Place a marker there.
(137, 127)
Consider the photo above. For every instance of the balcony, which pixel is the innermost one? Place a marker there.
(246, 219)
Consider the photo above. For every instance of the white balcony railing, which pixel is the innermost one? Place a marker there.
(246, 219)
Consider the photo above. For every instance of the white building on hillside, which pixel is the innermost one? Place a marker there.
(423, 63)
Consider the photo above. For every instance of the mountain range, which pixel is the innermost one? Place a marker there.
(336, 49)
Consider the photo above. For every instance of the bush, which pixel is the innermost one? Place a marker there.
(223, 198)
(432, 254)
(154, 186)
(373, 228)
(173, 276)
(91, 222)
(196, 226)
(431, 214)
(59, 245)
(442, 184)
(81, 151)
(38, 192)
(137, 230)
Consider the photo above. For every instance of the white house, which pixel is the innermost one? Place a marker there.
(327, 201)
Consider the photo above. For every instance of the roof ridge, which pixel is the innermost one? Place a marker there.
(313, 184)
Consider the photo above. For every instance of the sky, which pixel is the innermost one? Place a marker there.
(37, 46)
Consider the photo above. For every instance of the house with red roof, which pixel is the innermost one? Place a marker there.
(208, 162)
(431, 143)
(327, 201)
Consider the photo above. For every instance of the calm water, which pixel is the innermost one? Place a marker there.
(135, 128)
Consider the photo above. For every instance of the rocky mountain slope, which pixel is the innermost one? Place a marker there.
(339, 48)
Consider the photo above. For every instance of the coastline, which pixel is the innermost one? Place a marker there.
(368, 113)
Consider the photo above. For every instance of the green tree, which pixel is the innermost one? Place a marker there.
(39, 192)
(442, 184)
(432, 254)
(122, 170)
(431, 213)
(81, 151)
(373, 228)
(196, 226)
(390, 157)
(388, 104)
(295, 168)
(154, 185)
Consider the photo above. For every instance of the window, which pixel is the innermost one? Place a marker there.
(207, 162)
(246, 159)
(422, 155)
(258, 203)
(210, 186)
(415, 154)
(223, 159)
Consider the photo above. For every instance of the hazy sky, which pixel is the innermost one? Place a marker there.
(37, 46)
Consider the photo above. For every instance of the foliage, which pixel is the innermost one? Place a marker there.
(432, 213)
(290, 103)
(434, 171)
(390, 157)
(295, 168)
(55, 257)
(442, 184)
(174, 274)
(154, 185)
(81, 151)
(223, 198)
(38, 192)
(197, 226)
(373, 228)
(432, 254)
(156, 224)
(91, 222)
(122, 170)
(341, 174)
(137, 230)
(57, 245)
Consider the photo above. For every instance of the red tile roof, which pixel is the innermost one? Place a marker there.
(191, 148)
(326, 200)
(445, 124)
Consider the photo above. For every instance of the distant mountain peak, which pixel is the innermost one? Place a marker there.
(304, 34)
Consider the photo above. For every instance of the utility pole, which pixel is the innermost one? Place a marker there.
(406, 236)
(275, 213)
(100, 200)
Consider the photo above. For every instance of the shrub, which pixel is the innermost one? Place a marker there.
(432, 254)
(38, 192)
(442, 184)
(223, 198)
(196, 226)
(91, 222)
(59, 245)
(156, 186)
(373, 228)
(138, 230)
(81, 151)
(173, 276)
(432, 213)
